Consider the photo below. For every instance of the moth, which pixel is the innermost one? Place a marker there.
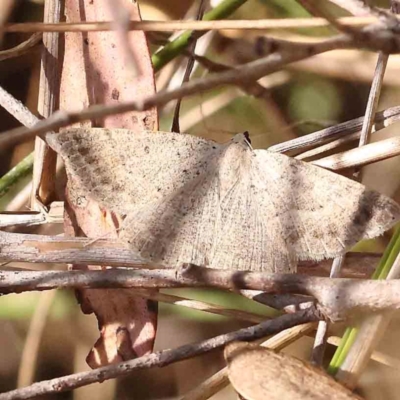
(190, 200)
(258, 373)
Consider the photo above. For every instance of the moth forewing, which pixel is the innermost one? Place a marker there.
(192, 200)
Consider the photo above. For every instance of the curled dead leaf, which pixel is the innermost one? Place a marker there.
(258, 373)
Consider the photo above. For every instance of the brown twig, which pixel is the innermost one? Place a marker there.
(160, 359)
(22, 48)
(338, 299)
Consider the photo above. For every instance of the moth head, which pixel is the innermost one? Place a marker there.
(243, 139)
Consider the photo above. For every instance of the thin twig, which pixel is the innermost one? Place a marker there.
(160, 359)
(17, 109)
(22, 48)
(188, 70)
(373, 99)
(205, 25)
(372, 105)
(251, 72)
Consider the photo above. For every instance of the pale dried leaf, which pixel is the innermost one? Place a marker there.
(258, 373)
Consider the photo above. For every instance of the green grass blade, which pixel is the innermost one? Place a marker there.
(381, 272)
(22, 169)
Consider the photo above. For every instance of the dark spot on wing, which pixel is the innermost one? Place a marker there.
(363, 214)
(83, 151)
(115, 94)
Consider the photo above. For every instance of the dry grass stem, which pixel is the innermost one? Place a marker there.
(343, 130)
(361, 156)
(169, 26)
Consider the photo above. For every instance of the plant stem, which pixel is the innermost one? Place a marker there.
(381, 272)
(22, 169)
(174, 48)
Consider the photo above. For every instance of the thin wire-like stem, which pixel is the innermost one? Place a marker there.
(319, 346)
